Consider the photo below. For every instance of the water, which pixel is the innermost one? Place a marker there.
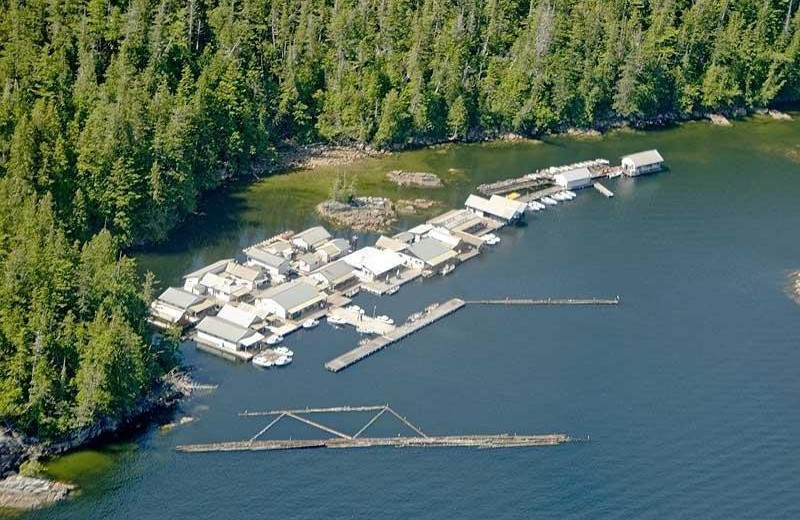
(689, 389)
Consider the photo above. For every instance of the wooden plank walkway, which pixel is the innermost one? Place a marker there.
(547, 301)
(374, 345)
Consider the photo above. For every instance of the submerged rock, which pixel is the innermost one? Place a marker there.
(415, 179)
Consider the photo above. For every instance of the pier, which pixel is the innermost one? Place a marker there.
(547, 301)
(602, 189)
(371, 346)
(340, 439)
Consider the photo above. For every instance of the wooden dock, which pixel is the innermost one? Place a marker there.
(369, 347)
(547, 301)
(602, 189)
(418, 439)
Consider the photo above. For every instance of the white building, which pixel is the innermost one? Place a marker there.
(177, 307)
(311, 238)
(642, 162)
(241, 316)
(372, 263)
(291, 300)
(233, 283)
(223, 334)
(574, 179)
(497, 207)
(308, 262)
(335, 275)
(191, 280)
(275, 265)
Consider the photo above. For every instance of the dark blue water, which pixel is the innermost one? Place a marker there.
(689, 390)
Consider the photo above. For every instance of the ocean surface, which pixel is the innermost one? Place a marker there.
(689, 390)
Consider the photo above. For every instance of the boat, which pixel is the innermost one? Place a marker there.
(415, 316)
(285, 351)
(263, 361)
(274, 339)
(355, 308)
(549, 201)
(449, 268)
(533, 207)
(336, 320)
(283, 361)
(385, 319)
(310, 324)
(538, 206)
(364, 330)
(491, 239)
(571, 194)
(558, 196)
(393, 289)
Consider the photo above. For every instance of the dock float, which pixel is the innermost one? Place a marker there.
(418, 439)
(602, 189)
(369, 347)
(548, 301)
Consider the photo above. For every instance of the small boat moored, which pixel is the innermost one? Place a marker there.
(449, 268)
(274, 339)
(310, 324)
(336, 320)
(549, 201)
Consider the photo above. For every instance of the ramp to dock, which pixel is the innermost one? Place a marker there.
(369, 347)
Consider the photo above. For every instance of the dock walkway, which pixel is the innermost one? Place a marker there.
(374, 345)
(547, 301)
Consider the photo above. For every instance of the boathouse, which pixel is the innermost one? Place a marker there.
(291, 300)
(574, 179)
(640, 163)
(373, 264)
(243, 316)
(176, 307)
(431, 253)
(497, 207)
(311, 238)
(334, 276)
(223, 334)
(275, 265)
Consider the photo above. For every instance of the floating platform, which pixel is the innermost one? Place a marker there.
(372, 346)
(602, 189)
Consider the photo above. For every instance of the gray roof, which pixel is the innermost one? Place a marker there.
(310, 259)
(291, 295)
(313, 235)
(265, 257)
(215, 267)
(341, 244)
(223, 329)
(179, 298)
(645, 158)
(428, 248)
(578, 174)
(336, 270)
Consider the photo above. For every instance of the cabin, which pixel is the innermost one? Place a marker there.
(430, 253)
(371, 263)
(233, 283)
(176, 307)
(574, 179)
(191, 280)
(333, 250)
(334, 276)
(243, 316)
(291, 300)
(309, 262)
(311, 238)
(280, 248)
(641, 163)
(223, 334)
(498, 208)
(273, 264)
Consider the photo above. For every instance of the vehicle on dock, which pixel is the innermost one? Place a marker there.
(336, 320)
(310, 323)
(274, 339)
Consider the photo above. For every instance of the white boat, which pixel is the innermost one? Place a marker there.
(549, 201)
(491, 239)
(558, 196)
(355, 308)
(283, 361)
(310, 324)
(285, 351)
(274, 339)
(449, 268)
(393, 289)
(263, 361)
(336, 320)
(538, 205)
(385, 319)
(571, 194)
(364, 330)
(533, 206)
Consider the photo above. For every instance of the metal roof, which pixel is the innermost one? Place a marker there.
(497, 206)
(216, 266)
(179, 298)
(429, 249)
(265, 257)
(240, 271)
(336, 271)
(390, 244)
(224, 329)
(292, 294)
(645, 158)
(237, 315)
(314, 235)
(373, 260)
(578, 174)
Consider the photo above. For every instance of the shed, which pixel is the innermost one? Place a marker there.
(311, 238)
(642, 162)
(218, 332)
(574, 179)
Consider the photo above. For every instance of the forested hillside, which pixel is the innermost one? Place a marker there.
(115, 115)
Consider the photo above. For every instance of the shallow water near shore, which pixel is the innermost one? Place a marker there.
(688, 389)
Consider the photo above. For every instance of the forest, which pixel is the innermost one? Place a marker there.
(116, 115)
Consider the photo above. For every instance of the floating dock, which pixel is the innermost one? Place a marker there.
(548, 301)
(344, 440)
(369, 347)
(602, 189)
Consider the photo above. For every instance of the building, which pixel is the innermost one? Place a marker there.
(231, 284)
(372, 263)
(443, 235)
(309, 262)
(334, 276)
(574, 179)
(223, 334)
(333, 250)
(497, 207)
(291, 300)
(311, 238)
(431, 253)
(391, 244)
(273, 264)
(191, 280)
(176, 307)
(242, 316)
(253, 275)
(279, 247)
(640, 163)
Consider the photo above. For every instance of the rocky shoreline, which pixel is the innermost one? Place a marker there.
(21, 492)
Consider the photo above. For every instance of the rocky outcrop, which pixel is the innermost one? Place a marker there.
(719, 119)
(410, 206)
(18, 492)
(415, 179)
(367, 214)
